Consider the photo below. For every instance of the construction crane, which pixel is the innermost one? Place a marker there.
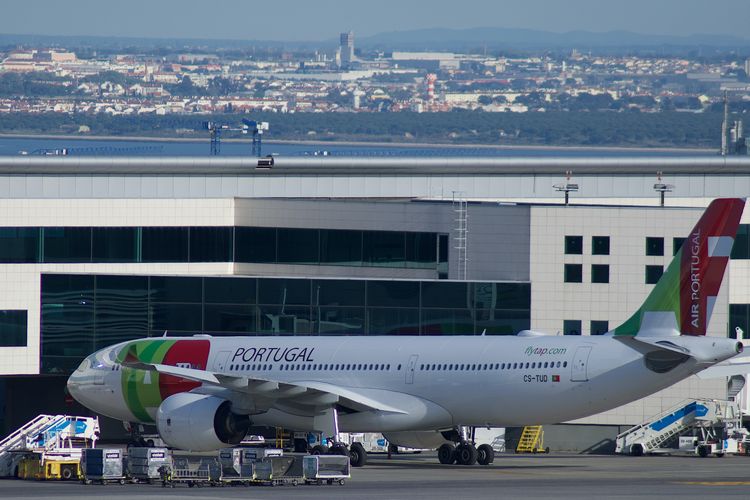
(214, 132)
(256, 128)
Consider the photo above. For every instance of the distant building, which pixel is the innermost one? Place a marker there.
(347, 49)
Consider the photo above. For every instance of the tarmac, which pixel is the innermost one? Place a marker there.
(557, 476)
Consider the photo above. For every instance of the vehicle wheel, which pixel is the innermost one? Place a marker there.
(546, 450)
(703, 451)
(66, 473)
(150, 443)
(636, 450)
(485, 454)
(295, 482)
(122, 481)
(318, 449)
(447, 454)
(87, 481)
(338, 449)
(357, 455)
(719, 455)
(466, 454)
(393, 449)
(341, 482)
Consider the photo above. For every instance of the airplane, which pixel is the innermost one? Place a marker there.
(203, 393)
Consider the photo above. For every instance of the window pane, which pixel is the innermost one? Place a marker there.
(115, 244)
(231, 318)
(653, 273)
(599, 273)
(121, 309)
(444, 294)
(600, 245)
(741, 247)
(284, 291)
(341, 247)
(504, 322)
(13, 328)
(654, 246)
(421, 250)
(165, 244)
(339, 321)
(229, 290)
(338, 292)
(284, 320)
(298, 246)
(599, 327)
(384, 248)
(574, 245)
(175, 317)
(572, 327)
(392, 321)
(19, 244)
(443, 248)
(176, 289)
(67, 244)
(573, 273)
(739, 317)
(255, 244)
(393, 293)
(447, 322)
(677, 244)
(211, 244)
(509, 295)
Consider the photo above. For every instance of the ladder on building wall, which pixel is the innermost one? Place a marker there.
(532, 440)
(50, 435)
(461, 212)
(653, 435)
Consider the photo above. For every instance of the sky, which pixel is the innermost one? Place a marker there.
(302, 20)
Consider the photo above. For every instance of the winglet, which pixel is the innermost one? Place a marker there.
(683, 299)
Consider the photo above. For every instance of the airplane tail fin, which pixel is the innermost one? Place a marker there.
(683, 299)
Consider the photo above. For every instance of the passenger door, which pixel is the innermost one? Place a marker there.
(410, 368)
(579, 368)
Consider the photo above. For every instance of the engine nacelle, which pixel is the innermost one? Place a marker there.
(198, 422)
(416, 439)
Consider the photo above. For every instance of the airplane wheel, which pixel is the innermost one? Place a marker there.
(485, 454)
(357, 455)
(338, 449)
(447, 454)
(319, 449)
(466, 454)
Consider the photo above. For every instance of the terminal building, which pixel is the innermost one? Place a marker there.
(95, 251)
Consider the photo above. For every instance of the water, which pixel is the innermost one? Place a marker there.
(11, 146)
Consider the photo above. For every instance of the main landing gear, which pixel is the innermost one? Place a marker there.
(466, 452)
(356, 452)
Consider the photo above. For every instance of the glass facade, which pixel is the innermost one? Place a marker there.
(224, 244)
(81, 313)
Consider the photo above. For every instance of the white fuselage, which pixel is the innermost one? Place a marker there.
(440, 382)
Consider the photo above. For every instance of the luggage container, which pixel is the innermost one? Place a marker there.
(235, 466)
(317, 469)
(279, 470)
(143, 463)
(102, 465)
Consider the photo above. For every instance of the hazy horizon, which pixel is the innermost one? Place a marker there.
(300, 20)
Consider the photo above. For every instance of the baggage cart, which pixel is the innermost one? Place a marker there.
(279, 470)
(102, 465)
(190, 470)
(143, 463)
(318, 469)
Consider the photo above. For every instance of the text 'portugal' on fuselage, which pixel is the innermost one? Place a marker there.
(204, 392)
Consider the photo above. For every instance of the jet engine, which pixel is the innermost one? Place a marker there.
(198, 422)
(417, 439)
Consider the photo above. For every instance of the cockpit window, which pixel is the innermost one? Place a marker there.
(85, 365)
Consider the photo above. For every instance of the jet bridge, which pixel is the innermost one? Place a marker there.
(656, 434)
(50, 436)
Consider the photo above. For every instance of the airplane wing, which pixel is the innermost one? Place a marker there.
(298, 394)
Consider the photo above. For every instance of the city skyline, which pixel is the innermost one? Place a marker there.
(298, 20)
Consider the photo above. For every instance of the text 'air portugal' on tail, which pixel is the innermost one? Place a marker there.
(682, 301)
